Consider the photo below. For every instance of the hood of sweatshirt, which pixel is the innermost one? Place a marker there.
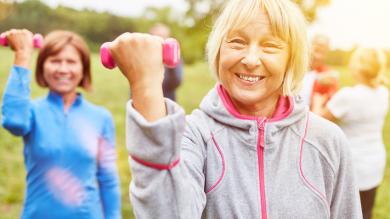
(218, 105)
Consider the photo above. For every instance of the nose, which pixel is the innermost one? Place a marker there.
(252, 58)
(63, 67)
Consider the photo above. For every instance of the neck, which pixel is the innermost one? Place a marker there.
(265, 108)
(68, 100)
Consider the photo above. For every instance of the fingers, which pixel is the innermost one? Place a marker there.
(139, 57)
(19, 39)
(21, 42)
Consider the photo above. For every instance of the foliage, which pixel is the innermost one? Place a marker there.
(191, 28)
(39, 18)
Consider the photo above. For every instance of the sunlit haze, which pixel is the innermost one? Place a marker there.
(352, 22)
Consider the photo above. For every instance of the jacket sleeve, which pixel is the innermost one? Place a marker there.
(345, 201)
(17, 106)
(107, 174)
(166, 162)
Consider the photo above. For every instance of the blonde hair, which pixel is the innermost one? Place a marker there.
(369, 65)
(287, 22)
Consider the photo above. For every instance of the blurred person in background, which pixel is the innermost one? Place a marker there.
(69, 143)
(172, 76)
(361, 111)
(321, 78)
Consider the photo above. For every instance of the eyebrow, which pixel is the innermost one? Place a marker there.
(239, 32)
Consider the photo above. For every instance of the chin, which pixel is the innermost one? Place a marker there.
(63, 91)
(247, 99)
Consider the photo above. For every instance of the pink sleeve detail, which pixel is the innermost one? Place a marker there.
(156, 165)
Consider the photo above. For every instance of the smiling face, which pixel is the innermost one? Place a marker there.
(252, 65)
(63, 71)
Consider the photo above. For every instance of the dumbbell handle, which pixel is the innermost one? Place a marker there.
(37, 40)
(171, 54)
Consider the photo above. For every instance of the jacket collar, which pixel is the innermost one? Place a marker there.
(218, 105)
(57, 100)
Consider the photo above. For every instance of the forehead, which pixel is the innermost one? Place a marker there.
(256, 21)
(68, 51)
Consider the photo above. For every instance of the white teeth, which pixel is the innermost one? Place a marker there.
(63, 78)
(249, 78)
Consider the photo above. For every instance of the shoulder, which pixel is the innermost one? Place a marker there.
(346, 91)
(41, 103)
(327, 139)
(343, 96)
(96, 110)
(200, 125)
(384, 90)
(322, 128)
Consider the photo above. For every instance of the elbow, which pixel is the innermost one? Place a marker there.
(15, 127)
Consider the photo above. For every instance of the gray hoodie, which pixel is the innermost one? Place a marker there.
(216, 163)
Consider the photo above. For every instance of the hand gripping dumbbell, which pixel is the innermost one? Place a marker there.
(37, 40)
(171, 54)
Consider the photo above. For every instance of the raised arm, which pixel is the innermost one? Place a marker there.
(166, 164)
(16, 106)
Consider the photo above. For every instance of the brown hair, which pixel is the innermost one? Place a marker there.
(54, 42)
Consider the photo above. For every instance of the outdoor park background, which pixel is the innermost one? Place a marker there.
(110, 88)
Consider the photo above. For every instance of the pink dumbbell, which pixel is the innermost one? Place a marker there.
(171, 54)
(37, 40)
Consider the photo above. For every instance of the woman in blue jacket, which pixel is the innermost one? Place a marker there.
(69, 143)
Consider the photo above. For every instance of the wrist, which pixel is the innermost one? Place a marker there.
(148, 101)
(146, 90)
(23, 59)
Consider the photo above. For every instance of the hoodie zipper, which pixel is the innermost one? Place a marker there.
(260, 160)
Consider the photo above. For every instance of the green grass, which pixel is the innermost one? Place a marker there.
(111, 90)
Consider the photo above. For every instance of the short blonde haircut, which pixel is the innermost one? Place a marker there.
(287, 23)
(370, 65)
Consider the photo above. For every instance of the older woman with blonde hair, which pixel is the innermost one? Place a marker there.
(252, 149)
(360, 111)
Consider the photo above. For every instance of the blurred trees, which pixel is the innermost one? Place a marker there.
(190, 28)
(39, 18)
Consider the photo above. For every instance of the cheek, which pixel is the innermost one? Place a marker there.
(80, 68)
(227, 59)
(47, 70)
(276, 68)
